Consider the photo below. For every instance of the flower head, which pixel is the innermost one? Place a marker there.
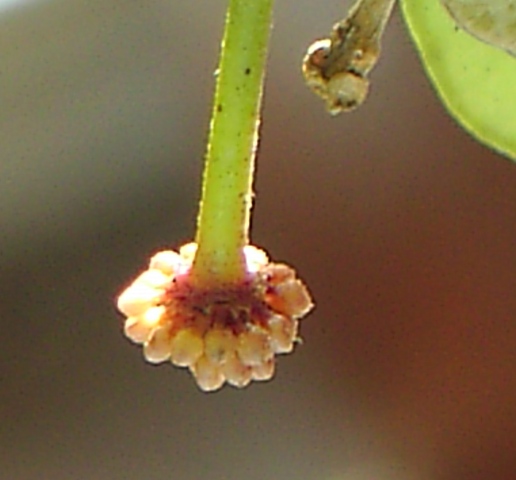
(228, 333)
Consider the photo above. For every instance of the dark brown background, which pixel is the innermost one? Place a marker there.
(402, 225)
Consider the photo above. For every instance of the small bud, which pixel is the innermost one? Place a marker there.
(188, 251)
(236, 373)
(136, 330)
(255, 258)
(153, 278)
(136, 299)
(139, 329)
(157, 349)
(186, 347)
(278, 273)
(208, 375)
(283, 332)
(166, 262)
(290, 298)
(254, 348)
(263, 372)
(219, 343)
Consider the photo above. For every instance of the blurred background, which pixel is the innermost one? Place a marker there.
(401, 224)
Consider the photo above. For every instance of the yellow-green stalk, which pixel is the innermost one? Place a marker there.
(224, 215)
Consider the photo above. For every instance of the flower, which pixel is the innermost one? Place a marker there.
(224, 334)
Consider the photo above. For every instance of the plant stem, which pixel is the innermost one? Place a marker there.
(225, 207)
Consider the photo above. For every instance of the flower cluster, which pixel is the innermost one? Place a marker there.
(226, 334)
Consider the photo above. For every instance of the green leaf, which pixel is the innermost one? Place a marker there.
(476, 81)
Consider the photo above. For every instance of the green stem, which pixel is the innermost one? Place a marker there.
(224, 215)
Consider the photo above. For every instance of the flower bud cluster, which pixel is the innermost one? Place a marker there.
(226, 334)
